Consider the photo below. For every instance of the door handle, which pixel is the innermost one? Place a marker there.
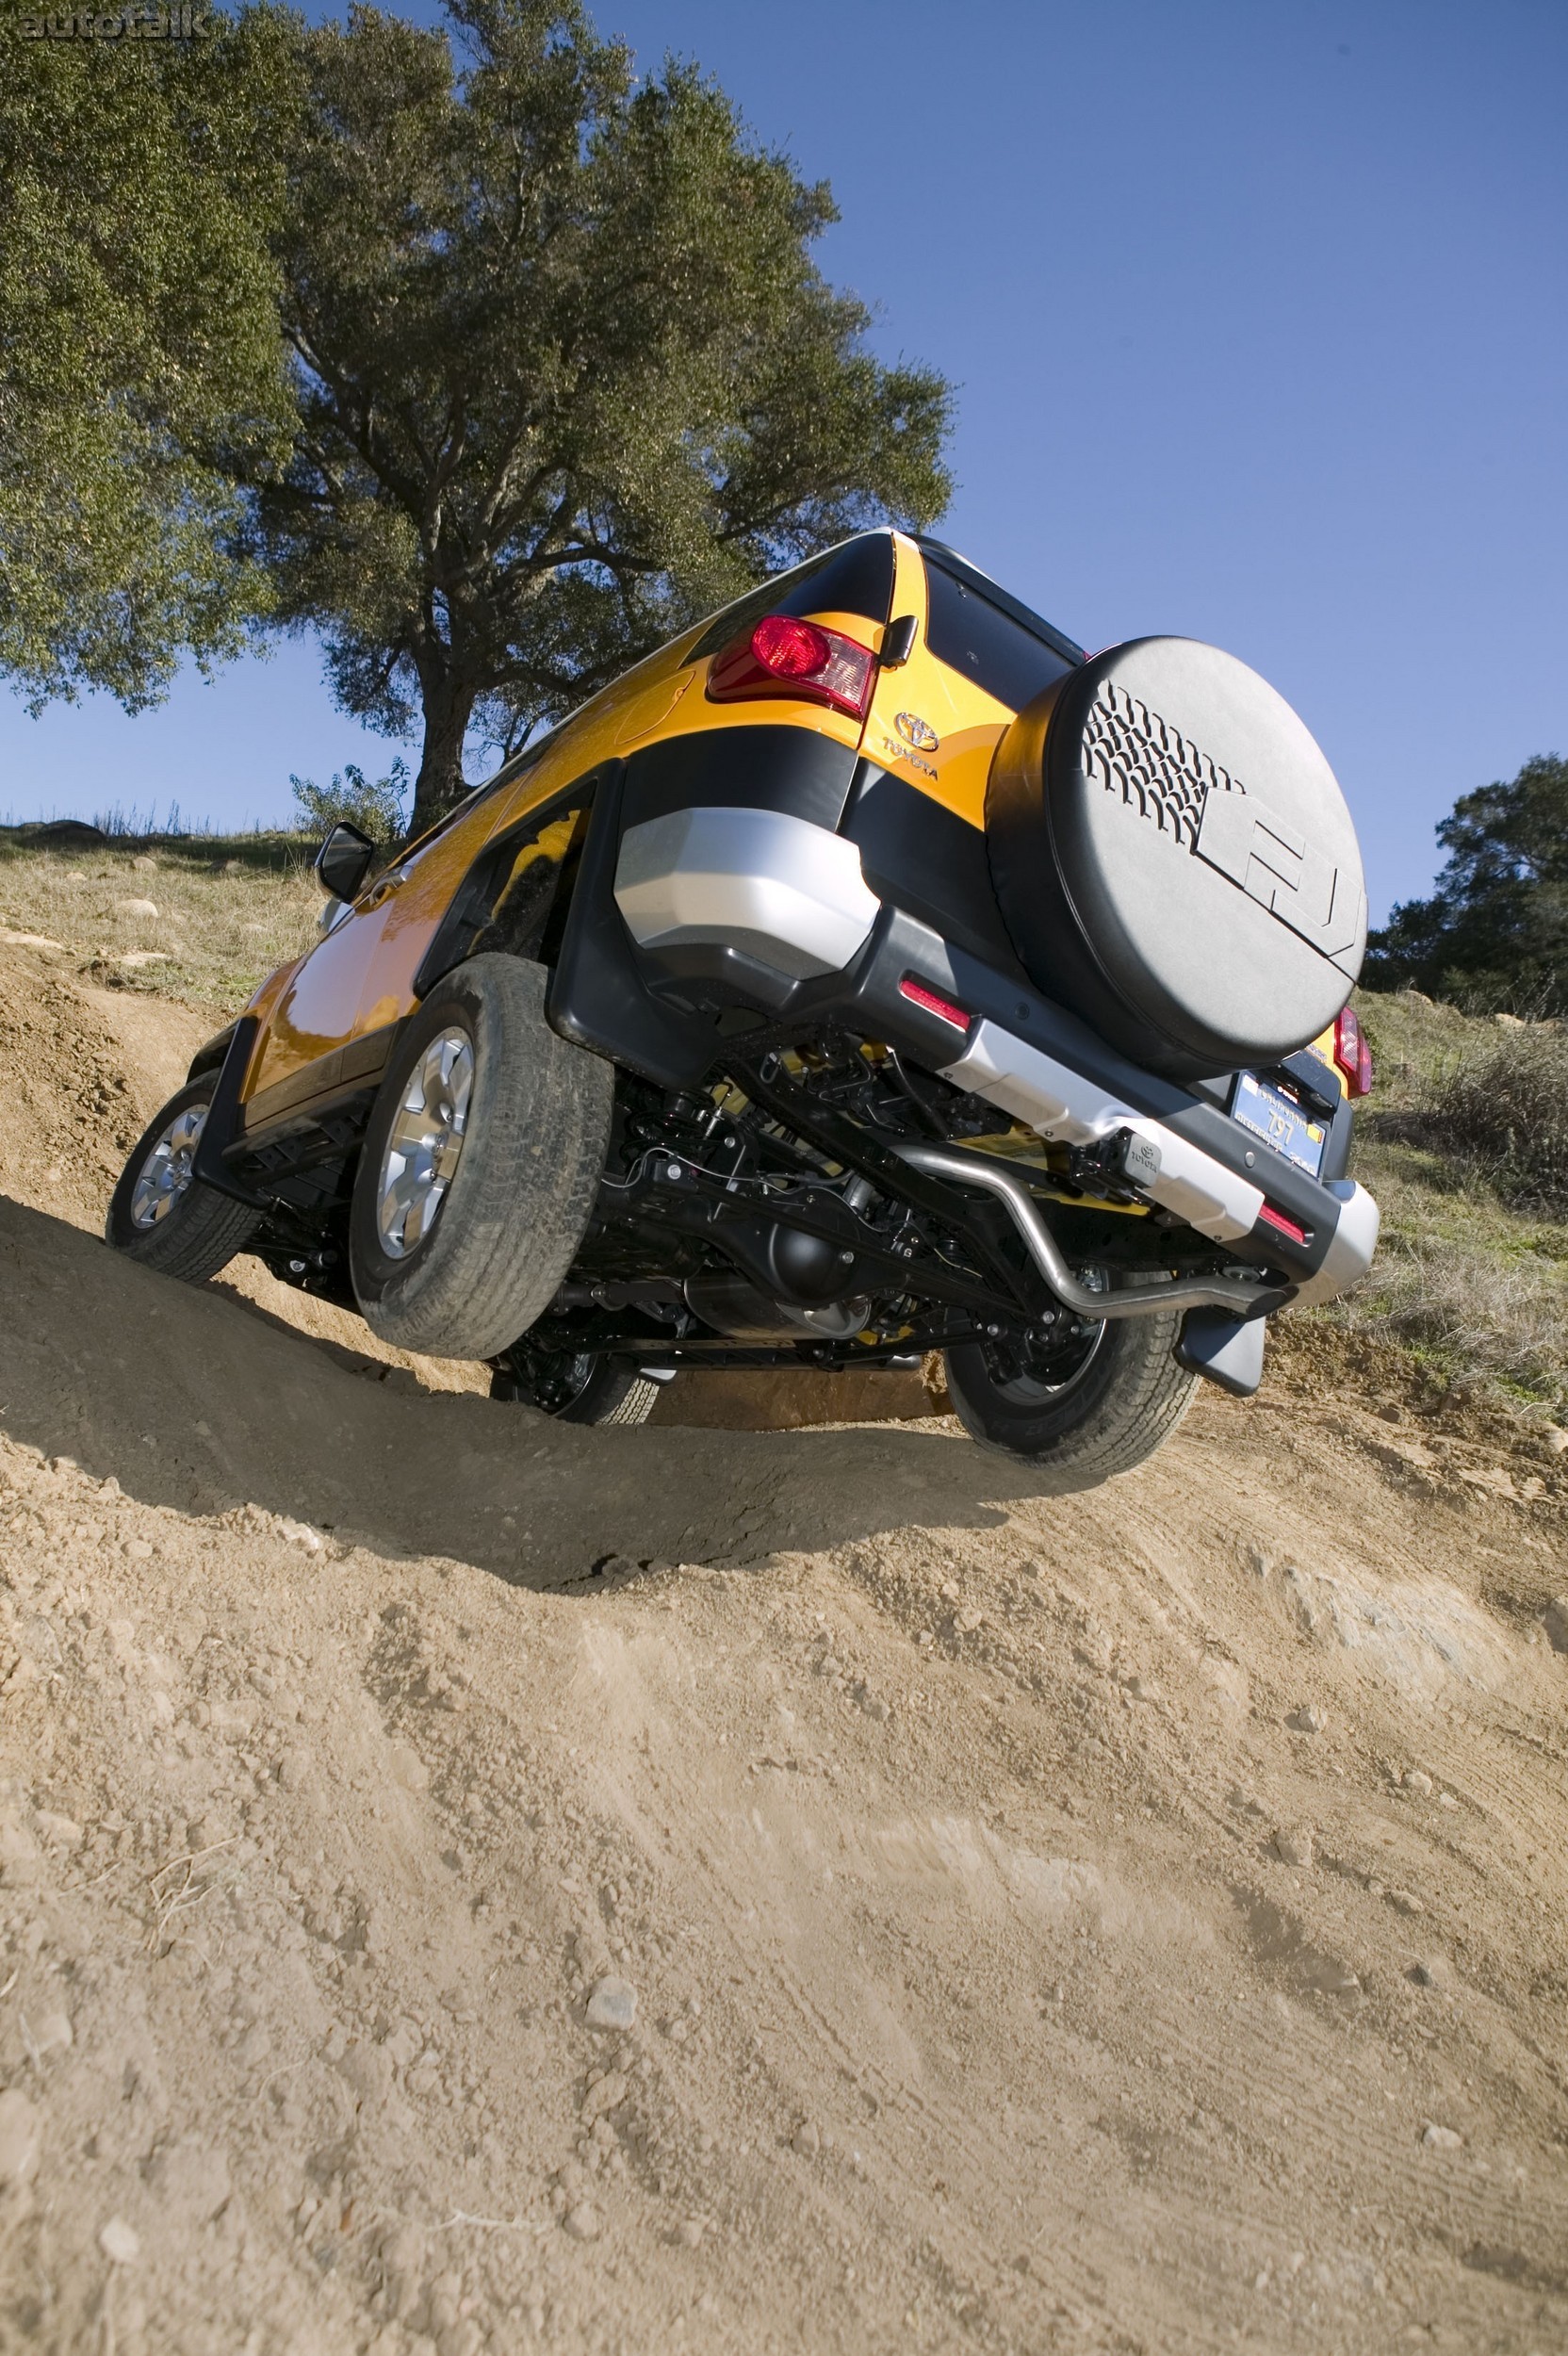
(383, 888)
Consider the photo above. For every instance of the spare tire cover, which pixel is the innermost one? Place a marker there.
(1175, 860)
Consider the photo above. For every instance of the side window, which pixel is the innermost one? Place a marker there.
(985, 644)
(857, 577)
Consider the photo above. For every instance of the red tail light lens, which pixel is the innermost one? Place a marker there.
(1269, 1216)
(919, 995)
(784, 656)
(789, 648)
(1352, 1054)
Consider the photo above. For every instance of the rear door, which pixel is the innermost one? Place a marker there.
(936, 720)
(919, 817)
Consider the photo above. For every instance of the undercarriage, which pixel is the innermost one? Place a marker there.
(780, 1219)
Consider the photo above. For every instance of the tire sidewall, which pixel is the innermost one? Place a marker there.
(1087, 1411)
(120, 1229)
(534, 1141)
(602, 1399)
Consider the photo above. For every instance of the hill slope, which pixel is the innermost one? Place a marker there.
(473, 1883)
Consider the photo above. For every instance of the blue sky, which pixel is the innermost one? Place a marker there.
(1258, 317)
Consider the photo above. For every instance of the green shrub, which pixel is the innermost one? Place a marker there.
(375, 804)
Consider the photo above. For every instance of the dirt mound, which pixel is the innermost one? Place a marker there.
(470, 1883)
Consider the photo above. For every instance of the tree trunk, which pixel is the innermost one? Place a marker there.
(447, 708)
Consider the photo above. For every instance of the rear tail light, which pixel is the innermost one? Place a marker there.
(919, 995)
(784, 656)
(1269, 1216)
(1352, 1054)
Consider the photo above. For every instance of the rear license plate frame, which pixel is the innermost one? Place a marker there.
(1282, 1125)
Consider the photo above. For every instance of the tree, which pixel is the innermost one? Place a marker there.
(1495, 933)
(140, 352)
(566, 373)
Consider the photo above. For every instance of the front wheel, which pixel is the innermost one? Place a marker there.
(1100, 1413)
(160, 1213)
(574, 1390)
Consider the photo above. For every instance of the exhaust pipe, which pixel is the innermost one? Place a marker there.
(1240, 1294)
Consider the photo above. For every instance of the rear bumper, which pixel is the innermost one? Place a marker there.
(778, 888)
(736, 919)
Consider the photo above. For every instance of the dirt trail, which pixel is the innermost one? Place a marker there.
(467, 1884)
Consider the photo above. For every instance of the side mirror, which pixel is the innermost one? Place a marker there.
(344, 860)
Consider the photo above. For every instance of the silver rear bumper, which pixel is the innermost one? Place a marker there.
(786, 892)
(1059, 1103)
(792, 896)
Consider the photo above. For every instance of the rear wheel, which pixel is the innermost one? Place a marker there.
(581, 1389)
(479, 1165)
(160, 1213)
(1103, 1406)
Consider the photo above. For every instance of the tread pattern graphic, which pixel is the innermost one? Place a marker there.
(1157, 771)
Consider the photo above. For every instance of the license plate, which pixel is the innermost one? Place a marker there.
(1271, 1115)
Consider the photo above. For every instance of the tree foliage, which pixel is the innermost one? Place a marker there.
(567, 372)
(1494, 932)
(140, 358)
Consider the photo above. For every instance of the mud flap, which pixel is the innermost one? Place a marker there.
(222, 1127)
(1223, 1350)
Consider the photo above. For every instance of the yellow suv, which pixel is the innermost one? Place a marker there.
(870, 972)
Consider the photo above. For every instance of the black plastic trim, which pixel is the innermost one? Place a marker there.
(210, 1058)
(1336, 1153)
(925, 859)
(472, 906)
(222, 1125)
(303, 1141)
(1311, 1075)
(781, 766)
(597, 995)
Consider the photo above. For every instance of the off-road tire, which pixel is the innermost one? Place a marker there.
(202, 1230)
(1126, 1402)
(611, 1393)
(519, 1200)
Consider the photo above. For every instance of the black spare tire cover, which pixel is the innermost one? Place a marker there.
(1174, 859)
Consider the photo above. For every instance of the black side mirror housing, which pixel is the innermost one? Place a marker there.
(344, 860)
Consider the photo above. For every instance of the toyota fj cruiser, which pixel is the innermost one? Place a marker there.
(869, 973)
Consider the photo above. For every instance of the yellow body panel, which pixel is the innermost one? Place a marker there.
(967, 723)
(327, 999)
(360, 978)
(261, 1005)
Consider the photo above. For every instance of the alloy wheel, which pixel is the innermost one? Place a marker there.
(169, 1167)
(426, 1143)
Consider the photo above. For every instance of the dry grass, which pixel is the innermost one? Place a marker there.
(1495, 1110)
(1465, 1145)
(1475, 1300)
(225, 913)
